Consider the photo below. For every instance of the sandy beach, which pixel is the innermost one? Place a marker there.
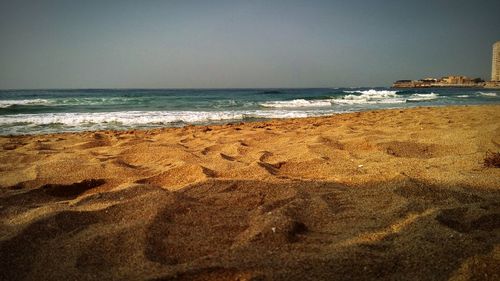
(389, 195)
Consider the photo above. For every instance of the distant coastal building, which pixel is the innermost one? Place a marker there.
(446, 81)
(457, 80)
(495, 62)
(495, 68)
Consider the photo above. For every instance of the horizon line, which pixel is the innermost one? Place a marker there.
(194, 88)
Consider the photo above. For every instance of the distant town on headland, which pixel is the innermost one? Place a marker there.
(458, 80)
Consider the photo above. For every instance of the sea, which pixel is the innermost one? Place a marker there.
(53, 111)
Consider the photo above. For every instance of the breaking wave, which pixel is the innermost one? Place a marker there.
(9, 103)
(372, 92)
(370, 97)
(297, 103)
(58, 122)
(99, 101)
(488, 94)
(70, 101)
(353, 98)
(422, 97)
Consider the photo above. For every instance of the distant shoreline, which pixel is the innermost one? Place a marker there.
(447, 87)
(235, 123)
(447, 82)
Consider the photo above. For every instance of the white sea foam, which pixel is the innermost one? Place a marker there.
(423, 97)
(98, 100)
(488, 94)
(370, 97)
(231, 103)
(123, 117)
(463, 96)
(69, 101)
(297, 103)
(9, 103)
(39, 123)
(373, 92)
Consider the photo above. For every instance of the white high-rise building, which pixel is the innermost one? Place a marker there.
(495, 62)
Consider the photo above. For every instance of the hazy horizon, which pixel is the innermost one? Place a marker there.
(241, 44)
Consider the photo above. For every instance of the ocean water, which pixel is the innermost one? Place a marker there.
(50, 111)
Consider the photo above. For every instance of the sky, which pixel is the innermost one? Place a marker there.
(242, 44)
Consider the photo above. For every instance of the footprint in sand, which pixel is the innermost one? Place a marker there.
(411, 149)
(466, 220)
(265, 155)
(227, 157)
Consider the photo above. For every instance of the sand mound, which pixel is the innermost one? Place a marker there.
(179, 177)
(412, 149)
(221, 230)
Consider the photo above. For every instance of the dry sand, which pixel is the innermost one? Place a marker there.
(391, 194)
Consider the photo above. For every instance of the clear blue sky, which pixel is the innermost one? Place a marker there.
(219, 44)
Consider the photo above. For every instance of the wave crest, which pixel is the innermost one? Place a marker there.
(59, 122)
(423, 97)
(370, 97)
(487, 94)
(296, 103)
(9, 103)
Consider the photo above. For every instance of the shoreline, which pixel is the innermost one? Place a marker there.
(51, 112)
(238, 122)
(397, 194)
(177, 137)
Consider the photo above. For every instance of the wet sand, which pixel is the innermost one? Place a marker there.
(390, 195)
